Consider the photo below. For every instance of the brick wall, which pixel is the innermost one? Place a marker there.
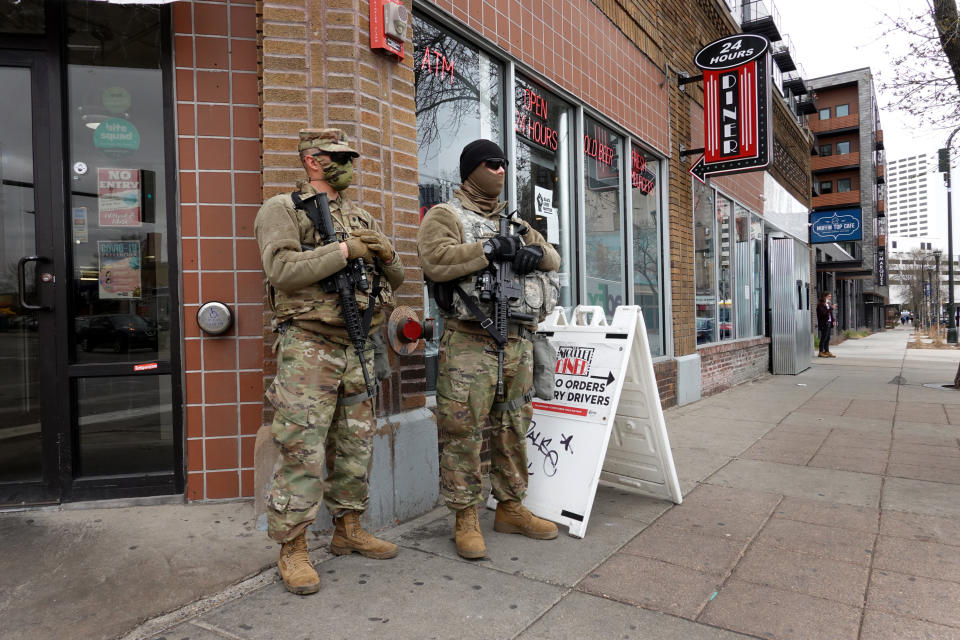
(666, 374)
(570, 43)
(728, 364)
(218, 154)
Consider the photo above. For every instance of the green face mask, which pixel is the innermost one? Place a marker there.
(339, 176)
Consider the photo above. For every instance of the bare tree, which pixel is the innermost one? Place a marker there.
(926, 83)
(909, 274)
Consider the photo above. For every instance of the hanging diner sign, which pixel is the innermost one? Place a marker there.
(736, 105)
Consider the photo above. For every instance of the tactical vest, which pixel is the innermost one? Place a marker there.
(541, 289)
(311, 302)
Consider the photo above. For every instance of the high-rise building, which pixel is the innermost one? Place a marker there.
(910, 196)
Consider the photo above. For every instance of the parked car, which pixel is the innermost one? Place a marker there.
(119, 332)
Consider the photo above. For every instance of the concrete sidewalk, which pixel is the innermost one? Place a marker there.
(823, 505)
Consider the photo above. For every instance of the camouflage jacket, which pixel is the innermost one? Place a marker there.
(450, 243)
(295, 273)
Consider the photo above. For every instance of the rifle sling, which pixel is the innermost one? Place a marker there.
(478, 313)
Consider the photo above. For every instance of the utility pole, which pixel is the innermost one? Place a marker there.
(945, 169)
(936, 295)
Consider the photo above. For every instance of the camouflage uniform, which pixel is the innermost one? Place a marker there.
(317, 366)
(467, 368)
(466, 386)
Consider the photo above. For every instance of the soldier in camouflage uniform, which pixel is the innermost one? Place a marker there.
(323, 412)
(456, 240)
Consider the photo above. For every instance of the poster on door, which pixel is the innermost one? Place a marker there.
(119, 277)
(80, 225)
(543, 200)
(119, 197)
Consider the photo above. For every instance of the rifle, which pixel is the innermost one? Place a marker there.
(344, 282)
(498, 285)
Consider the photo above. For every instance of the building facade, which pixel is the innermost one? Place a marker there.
(849, 181)
(142, 139)
(911, 195)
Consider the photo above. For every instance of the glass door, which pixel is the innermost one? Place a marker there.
(89, 397)
(124, 438)
(28, 426)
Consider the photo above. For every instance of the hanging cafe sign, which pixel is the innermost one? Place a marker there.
(736, 105)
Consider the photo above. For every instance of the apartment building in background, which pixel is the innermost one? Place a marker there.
(849, 179)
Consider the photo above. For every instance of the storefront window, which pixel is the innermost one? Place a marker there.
(742, 288)
(728, 242)
(543, 169)
(756, 252)
(458, 99)
(647, 292)
(724, 272)
(603, 199)
(705, 262)
(460, 94)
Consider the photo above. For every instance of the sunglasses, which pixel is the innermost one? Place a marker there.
(494, 164)
(339, 157)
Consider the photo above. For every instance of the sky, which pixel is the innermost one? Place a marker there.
(831, 36)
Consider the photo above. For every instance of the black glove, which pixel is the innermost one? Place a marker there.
(501, 247)
(527, 259)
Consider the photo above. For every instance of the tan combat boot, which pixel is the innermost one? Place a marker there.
(349, 536)
(513, 517)
(467, 534)
(295, 568)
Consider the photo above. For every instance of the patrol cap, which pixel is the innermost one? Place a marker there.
(328, 140)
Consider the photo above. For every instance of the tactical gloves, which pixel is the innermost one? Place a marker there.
(501, 247)
(376, 242)
(357, 248)
(527, 259)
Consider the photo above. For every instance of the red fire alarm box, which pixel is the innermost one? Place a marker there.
(388, 25)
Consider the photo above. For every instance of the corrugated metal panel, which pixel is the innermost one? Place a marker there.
(789, 305)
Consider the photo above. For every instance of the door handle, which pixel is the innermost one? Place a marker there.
(22, 282)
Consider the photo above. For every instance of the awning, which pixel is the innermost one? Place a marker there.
(845, 269)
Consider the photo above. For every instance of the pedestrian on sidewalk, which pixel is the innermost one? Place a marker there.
(458, 241)
(322, 395)
(825, 323)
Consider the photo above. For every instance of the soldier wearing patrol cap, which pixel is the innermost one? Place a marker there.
(323, 412)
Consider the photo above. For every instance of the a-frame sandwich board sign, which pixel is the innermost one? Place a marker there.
(567, 441)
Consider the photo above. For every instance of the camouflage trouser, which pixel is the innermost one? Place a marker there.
(310, 426)
(466, 386)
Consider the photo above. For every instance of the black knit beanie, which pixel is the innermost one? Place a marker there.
(475, 153)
